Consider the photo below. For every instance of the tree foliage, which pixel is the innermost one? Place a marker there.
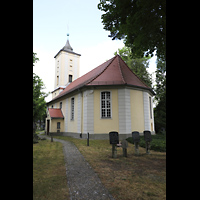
(141, 23)
(35, 59)
(137, 65)
(39, 104)
(160, 89)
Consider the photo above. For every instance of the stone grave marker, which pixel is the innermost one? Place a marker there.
(124, 146)
(114, 140)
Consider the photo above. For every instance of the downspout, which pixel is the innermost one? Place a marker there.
(81, 112)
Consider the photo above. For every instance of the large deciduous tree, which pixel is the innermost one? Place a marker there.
(141, 23)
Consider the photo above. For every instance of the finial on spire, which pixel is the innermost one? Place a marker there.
(68, 36)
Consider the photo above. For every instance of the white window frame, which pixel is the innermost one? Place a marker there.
(106, 108)
(72, 108)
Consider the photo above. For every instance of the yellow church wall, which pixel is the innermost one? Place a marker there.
(137, 110)
(110, 124)
(53, 125)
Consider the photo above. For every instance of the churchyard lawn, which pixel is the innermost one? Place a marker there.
(49, 171)
(134, 177)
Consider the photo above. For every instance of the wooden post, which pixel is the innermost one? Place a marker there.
(124, 146)
(147, 147)
(114, 151)
(136, 148)
(87, 139)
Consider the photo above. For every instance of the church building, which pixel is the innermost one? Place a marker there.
(108, 98)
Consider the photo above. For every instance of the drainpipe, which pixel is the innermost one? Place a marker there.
(81, 112)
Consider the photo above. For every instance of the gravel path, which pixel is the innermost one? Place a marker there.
(83, 182)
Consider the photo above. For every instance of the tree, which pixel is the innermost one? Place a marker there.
(137, 65)
(160, 98)
(39, 104)
(141, 23)
(35, 59)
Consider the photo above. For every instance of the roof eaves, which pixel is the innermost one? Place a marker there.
(57, 117)
(67, 52)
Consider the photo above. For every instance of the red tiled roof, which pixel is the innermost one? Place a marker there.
(112, 72)
(55, 113)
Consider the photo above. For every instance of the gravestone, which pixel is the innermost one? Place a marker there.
(147, 136)
(136, 140)
(136, 136)
(148, 139)
(124, 146)
(114, 139)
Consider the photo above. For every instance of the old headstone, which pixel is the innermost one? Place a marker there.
(136, 136)
(148, 139)
(114, 137)
(114, 140)
(124, 146)
(136, 140)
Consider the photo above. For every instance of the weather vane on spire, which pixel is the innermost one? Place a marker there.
(68, 30)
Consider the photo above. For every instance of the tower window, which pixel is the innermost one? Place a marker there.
(60, 105)
(70, 78)
(57, 79)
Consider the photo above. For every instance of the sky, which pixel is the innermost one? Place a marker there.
(53, 19)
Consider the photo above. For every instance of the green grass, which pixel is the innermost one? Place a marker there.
(158, 142)
(49, 171)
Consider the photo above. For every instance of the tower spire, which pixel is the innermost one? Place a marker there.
(67, 45)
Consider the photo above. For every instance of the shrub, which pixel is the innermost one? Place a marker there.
(158, 142)
(35, 138)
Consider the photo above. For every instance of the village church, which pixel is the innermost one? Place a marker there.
(108, 98)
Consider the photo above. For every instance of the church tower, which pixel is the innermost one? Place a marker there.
(67, 68)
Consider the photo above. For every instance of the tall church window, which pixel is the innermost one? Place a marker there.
(72, 108)
(105, 105)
